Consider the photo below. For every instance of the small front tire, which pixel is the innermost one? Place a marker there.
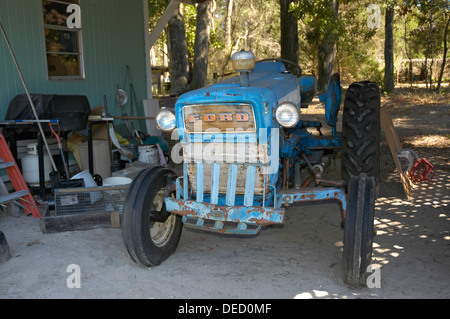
(150, 234)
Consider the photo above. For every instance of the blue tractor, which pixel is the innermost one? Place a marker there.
(244, 145)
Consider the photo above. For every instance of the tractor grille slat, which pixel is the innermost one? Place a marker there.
(231, 184)
(199, 166)
(215, 182)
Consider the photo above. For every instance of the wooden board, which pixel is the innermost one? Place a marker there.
(395, 146)
(86, 221)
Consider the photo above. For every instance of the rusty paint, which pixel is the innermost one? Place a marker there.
(308, 196)
(315, 194)
(207, 211)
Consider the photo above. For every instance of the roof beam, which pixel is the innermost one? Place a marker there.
(192, 1)
(168, 13)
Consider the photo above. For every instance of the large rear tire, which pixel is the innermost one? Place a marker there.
(358, 230)
(150, 234)
(361, 131)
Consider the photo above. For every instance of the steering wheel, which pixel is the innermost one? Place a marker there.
(298, 69)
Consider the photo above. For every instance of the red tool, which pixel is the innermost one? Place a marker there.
(422, 171)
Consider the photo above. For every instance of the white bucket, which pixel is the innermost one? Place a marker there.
(149, 154)
(89, 182)
(116, 198)
(117, 181)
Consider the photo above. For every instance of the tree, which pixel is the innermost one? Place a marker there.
(201, 45)
(243, 24)
(326, 50)
(431, 33)
(289, 33)
(444, 57)
(228, 24)
(389, 48)
(321, 17)
(178, 53)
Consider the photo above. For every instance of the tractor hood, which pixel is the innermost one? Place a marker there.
(269, 83)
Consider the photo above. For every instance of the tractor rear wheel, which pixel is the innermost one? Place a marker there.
(149, 232)
(358, 230)
(361, 131)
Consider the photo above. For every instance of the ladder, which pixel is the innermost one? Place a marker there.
(22, 192)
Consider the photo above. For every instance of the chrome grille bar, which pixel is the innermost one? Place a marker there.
(231, 184)
(199, 181)
(185, 181)
(250, 185)
(215, 181)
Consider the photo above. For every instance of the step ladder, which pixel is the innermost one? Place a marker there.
(22, 195)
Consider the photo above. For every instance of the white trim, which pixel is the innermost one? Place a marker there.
(151, 105)
(148, 65)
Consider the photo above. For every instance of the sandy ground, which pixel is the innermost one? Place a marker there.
(302, 259)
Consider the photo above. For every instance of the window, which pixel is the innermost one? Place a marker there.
(63, 45)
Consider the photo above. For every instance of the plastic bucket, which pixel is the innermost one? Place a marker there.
(116, 198)
(89, 182)
(149, 154)
(117, 181)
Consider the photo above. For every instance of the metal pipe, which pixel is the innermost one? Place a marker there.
(29, 97)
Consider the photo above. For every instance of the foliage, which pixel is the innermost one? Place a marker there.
(360, 49)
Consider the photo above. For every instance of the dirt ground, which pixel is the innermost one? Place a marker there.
(302, 259)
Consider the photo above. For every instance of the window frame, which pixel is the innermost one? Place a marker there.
(80, 53)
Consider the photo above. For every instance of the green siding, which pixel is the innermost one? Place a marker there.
(113, 37)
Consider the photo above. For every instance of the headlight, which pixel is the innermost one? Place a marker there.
(166, 120)
(287, 114)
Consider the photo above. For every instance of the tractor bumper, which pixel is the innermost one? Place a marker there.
(224, 219)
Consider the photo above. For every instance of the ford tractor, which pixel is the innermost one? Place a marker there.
(244, 146)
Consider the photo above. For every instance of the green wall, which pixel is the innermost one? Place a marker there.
(113, 37)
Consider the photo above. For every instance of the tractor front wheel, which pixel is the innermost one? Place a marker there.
(149, 232)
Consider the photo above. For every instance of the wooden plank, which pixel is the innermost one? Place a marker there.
(76, 222)
(395, 146)
(115, 220)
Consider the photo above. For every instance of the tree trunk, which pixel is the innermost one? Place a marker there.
(201, 46)
(289, 34)
(389, 50)
(326, 52)
(427, 53)
(444, 57)
(228, 25)
(408, 52)
(178, 54)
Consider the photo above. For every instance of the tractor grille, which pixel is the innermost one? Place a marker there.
(228, 174)
(224, 169)
(229, 179)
